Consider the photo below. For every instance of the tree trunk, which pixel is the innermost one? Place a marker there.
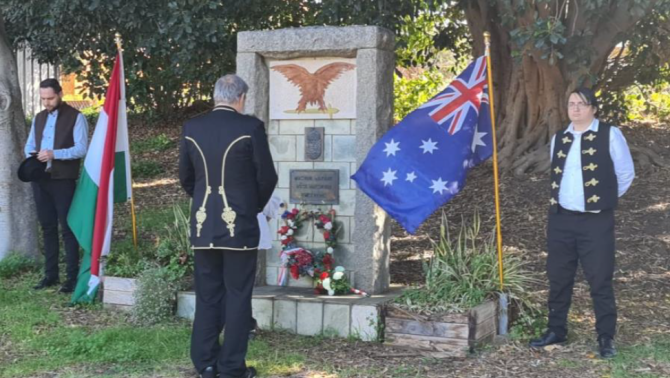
(18, 226)
(530, 92)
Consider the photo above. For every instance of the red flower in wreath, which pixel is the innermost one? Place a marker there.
(283, 230)
(324, 275)
(327, 262)
(326, 235)
(295, 272)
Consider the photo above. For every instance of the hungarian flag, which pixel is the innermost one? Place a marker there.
(104, 181)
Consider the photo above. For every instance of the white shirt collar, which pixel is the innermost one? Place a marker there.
(593, 127)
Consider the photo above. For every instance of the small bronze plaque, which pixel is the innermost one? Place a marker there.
(314, 143)
(315, 186)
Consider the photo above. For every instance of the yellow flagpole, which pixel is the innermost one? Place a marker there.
(132, 196)
(487, 41)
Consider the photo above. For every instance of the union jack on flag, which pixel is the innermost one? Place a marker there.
(462, 96)
(422, 162)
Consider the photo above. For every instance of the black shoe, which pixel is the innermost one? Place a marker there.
(606, 346)
(45, 283)
(68, 287)
(250, 373)
(549, 338)
(209, 372)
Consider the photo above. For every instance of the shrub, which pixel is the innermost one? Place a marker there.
(463, 272)
(174, 249)
(171, 251)
(126, 260)
(155, 297)
(15, 264)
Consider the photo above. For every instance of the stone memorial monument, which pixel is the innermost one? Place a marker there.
(325, 95)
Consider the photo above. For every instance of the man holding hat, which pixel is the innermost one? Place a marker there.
(57, 141)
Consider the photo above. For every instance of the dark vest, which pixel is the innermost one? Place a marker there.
(598, 175)
(63, 138)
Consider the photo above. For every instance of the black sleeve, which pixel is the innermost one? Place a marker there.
(266, 176)
(186, 170)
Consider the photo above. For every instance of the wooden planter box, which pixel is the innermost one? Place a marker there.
(452, 335)
(118, 293)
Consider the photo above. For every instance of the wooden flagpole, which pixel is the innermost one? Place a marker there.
(487, 40)
(503, 300)
(132, 196)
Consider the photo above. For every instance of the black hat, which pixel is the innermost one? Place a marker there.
(32, 169)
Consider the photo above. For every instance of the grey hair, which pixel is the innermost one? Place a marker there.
(228, 89)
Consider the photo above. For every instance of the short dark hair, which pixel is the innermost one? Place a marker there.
(587, 95)
(51, 83)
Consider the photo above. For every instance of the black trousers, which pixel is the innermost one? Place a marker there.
(224, 282)
(53, 199)
(587, 238)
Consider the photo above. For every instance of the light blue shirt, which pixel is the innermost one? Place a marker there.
(80, 135)
(571, 192)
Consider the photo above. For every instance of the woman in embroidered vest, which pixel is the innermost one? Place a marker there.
(59, 138)
(591, 167)
(226, 167)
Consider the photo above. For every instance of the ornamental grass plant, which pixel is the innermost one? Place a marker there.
(463, 272)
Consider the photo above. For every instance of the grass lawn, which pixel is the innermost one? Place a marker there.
(42, 337)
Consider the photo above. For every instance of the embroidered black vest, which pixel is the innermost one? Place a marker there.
(598, 176)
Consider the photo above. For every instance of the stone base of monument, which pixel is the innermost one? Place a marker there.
(452, 335)
(118, 293)
(300, 311)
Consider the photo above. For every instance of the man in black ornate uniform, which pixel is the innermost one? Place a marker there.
(225, 165)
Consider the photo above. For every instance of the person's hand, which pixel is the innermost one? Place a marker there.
(45, 156)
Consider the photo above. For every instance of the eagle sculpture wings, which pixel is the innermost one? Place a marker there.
(313, 86)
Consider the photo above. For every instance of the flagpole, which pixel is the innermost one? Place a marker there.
(132, 197)
(487, 41)
(502, 327)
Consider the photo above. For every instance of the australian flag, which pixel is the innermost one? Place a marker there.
(421, 163)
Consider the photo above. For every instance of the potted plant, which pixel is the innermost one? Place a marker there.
(455, 309)
(170, 253)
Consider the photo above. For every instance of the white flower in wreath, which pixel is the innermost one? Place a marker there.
(283, 237)
(338, 276)
(290, 223)
(328, 226)
(330, 250)
(339, 269)
(289, 232)
(326, 285)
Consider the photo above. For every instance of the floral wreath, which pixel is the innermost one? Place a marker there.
(319, 265)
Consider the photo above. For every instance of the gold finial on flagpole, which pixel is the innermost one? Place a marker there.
(117, 38)
(487, 42)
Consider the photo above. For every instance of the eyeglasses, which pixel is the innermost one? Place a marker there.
(577, 105)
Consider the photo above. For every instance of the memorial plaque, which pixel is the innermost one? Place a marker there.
(314, 143)
(315, 186)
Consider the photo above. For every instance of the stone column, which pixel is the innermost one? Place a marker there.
(364, 245)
